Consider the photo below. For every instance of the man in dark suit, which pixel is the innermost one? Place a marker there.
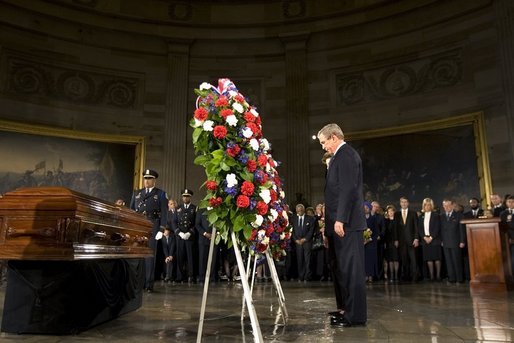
(497, 205)
(507, 217)
(303, 230)
(345, 222)
(152, 202)
(453, 235)
(183, 225)
(474, 209)
(407, 232)
(204, 241)
(169, 250)
(474, 212)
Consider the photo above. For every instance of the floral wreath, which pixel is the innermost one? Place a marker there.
(244, 190)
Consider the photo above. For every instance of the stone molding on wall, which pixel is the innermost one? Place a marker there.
(403, 79)
(37, 80)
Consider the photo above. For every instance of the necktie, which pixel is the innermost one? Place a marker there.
(300, 222)
(447, 215)
(147, 191)
(404, 216)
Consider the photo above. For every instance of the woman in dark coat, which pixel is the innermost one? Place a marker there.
(391, 255)
(370, 245)
(429, 232)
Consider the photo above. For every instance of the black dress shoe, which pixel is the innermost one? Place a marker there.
(343, 322)
(336, 313)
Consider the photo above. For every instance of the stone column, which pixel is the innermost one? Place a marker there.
(176, 118)
(297, 178)
(504, 11)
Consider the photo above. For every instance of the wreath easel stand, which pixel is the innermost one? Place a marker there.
(247, 291)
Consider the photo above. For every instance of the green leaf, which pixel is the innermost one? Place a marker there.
(247, 232)
(202, 159)
(213, 217)
(196, 134)
(247, 176)
(239, 223)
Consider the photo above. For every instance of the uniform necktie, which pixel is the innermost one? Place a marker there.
(147, 191)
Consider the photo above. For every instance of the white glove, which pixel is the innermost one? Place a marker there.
(187, 235)
(158, 235)
(182, 235)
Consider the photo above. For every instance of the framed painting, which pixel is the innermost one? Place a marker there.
(104, 166)
(438, 159)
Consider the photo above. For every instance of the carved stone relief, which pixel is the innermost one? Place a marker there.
(399, 80)
(38, 80)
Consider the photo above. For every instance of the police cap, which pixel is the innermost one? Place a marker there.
(150, 174)
(187, 193)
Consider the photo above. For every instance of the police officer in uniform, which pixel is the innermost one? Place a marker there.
(152, 202)
(184, 228)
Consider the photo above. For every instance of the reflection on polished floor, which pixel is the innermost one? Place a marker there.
(421, 312)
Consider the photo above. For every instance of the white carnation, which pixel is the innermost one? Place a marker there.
(247, 132)
(231, 180)
(258, 220)
(282, 195)
(208, 125)
(265, 144)
(198, 123)
(254, 144)
(265, 195)
(205, 86)
(238, 107)
(232, 120)
(284, 214)
(274, 213)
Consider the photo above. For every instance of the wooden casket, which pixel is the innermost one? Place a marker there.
(74, 261)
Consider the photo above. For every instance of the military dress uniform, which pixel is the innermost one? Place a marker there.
(153, 204)
(184, 229)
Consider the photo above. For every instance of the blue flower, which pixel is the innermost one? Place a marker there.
(231, 191)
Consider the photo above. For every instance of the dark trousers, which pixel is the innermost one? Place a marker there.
(303, 259)
(408, 261)
(150, 262)
(203, 256)
(347, 264)
(184, 259)
(453, 258)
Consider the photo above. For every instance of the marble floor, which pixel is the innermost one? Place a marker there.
(421, 312)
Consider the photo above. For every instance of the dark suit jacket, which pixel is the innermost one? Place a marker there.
(469, 214)
(452, 231)
(168, 246)
(497, 211)
(343, 191)
(307, 231)
(406, 233)
(202, 226)
(434, 228)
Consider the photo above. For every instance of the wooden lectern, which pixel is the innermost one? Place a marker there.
(489, 254)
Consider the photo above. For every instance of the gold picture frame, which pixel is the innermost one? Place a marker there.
(473, 120)
(25, 145)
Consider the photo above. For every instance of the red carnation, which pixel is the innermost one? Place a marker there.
(261, 208)
(249, 117)
(273, 195)
(239, 98)
(261, 247)
(253, 235)
(251, 165)
(221, 102)
(219, 131)
(215, 202)
(272, 163)
(252, 126)
(262, 159)
(233, 151)
(247, 188)
(211, 185)
(226, 112)
(264, 178)
(201, 114)
(258, 120)
(243, 201)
